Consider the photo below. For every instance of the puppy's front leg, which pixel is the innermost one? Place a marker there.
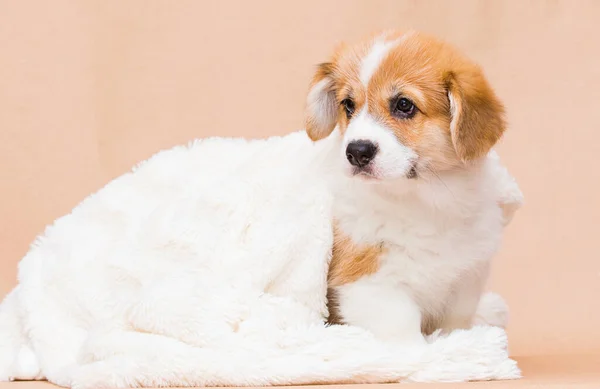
(467, 292)
(388, 311)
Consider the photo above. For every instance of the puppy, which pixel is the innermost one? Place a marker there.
(420, 207)
(192, 247)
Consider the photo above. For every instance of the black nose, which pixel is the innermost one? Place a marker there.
(360, 152)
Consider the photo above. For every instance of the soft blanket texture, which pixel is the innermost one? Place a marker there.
(207, 265)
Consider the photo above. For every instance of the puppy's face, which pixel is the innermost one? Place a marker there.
(406, 104)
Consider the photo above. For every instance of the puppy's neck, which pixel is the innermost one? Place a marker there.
(454, 192)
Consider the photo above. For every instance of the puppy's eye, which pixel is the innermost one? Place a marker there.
(348, 106)
(403, 108)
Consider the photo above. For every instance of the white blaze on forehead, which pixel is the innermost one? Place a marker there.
(373, 59)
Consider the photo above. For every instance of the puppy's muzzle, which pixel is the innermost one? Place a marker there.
(361, 152)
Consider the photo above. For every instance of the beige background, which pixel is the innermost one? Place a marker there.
(88, 88)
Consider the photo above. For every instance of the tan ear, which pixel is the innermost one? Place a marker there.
(321, 104)
(477, 116)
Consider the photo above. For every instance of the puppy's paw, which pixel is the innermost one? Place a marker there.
(492, 311)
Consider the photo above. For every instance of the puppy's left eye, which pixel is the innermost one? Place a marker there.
(349, 107)
(403, 108)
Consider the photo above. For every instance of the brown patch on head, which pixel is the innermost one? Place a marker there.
(351, 261)
(458, 117)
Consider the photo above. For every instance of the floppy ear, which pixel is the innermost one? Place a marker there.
(477, 116)
(321, 105)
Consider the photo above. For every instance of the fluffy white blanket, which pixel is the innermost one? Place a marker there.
(207, 266)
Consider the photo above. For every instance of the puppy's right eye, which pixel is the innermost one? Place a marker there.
(349, 107)
(403, 108)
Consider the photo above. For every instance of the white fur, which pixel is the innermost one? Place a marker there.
(387, 311)
(207, 265)
(511, 197)
(492, 310)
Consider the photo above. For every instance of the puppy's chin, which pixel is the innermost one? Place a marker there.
(375, 174)
(365, 174)
(368, 173)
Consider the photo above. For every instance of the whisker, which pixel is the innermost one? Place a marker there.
(432, 171)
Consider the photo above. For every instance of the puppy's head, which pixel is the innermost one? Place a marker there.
(406, 104)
